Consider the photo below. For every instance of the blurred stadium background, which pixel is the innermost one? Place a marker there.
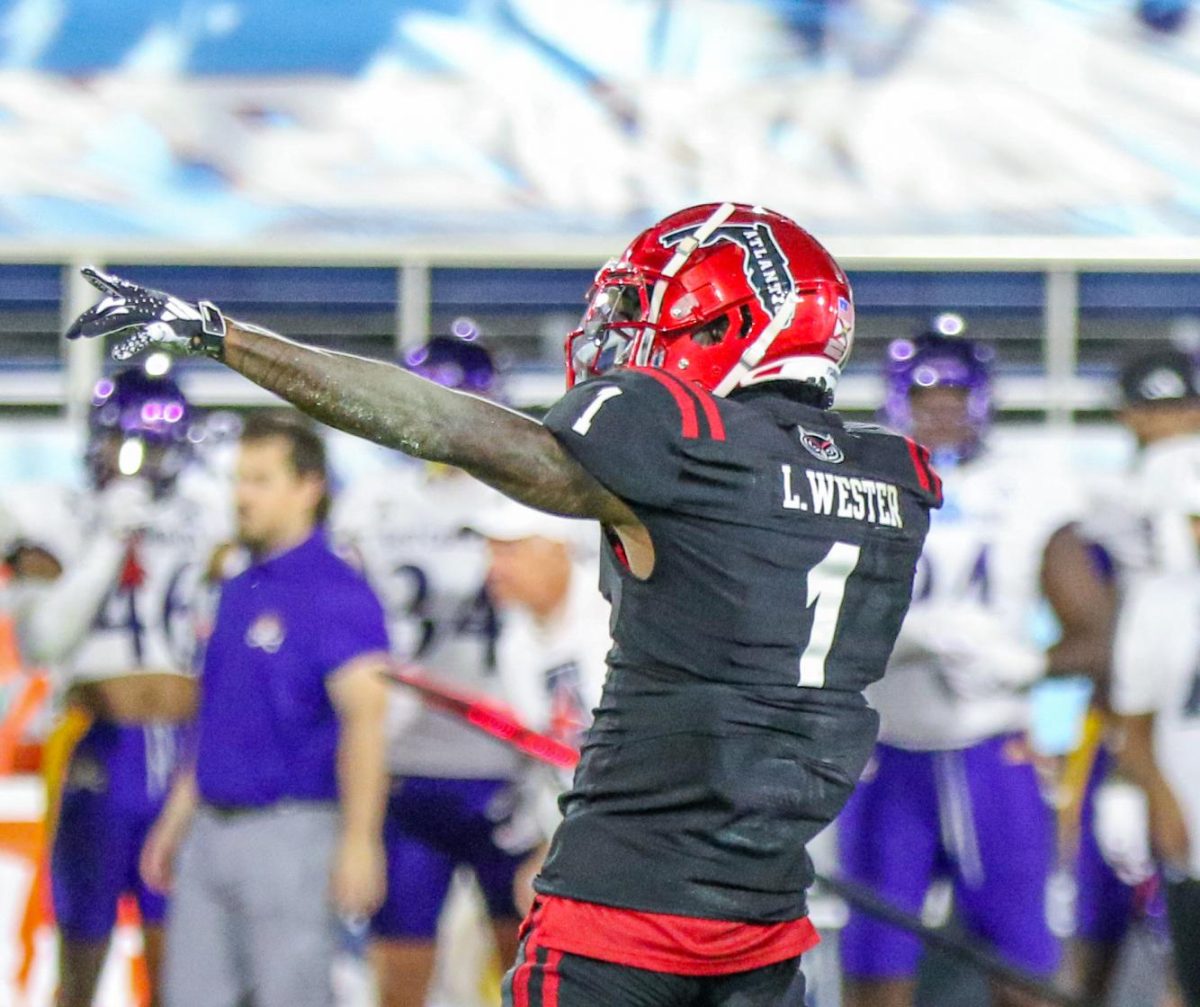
(366, 175)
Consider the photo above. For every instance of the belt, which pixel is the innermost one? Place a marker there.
(228, 811)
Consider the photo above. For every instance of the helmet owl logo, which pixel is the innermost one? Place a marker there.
(821, 446)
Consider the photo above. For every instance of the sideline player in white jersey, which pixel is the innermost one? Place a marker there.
(453, 789)
(1160, 406)
(544, 579)
(952, 788)
(1156, 696)
(104, 588)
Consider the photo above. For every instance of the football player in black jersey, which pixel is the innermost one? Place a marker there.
(759, 559)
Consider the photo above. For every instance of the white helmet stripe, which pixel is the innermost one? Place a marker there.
(683, 252)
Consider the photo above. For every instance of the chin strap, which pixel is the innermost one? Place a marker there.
(752, 356)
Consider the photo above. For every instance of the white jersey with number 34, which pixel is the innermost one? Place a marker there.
(407, 527)
(976, 590)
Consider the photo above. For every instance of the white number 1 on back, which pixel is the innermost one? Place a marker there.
(826, 589)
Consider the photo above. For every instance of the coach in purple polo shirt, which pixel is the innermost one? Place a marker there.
(278, 825)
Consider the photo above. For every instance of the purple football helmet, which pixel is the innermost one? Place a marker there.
(455, 362)
(934, 359)
(139, 425)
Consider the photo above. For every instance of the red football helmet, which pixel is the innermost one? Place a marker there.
(726, 295)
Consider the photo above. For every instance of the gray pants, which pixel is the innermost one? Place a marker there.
(250, 919)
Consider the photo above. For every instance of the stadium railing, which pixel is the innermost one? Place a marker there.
(1061, 311)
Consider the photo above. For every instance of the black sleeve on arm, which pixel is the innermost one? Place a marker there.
(627, 430)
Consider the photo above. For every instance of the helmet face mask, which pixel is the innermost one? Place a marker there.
(139, 426)
(725, 296)
(941, 385)
(614, 324)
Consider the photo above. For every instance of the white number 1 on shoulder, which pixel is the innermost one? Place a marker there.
(826, 589)
(582, 425)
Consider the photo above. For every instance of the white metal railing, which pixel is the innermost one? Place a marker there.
(1058, 391)
(985, 252)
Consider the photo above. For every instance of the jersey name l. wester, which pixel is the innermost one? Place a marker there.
(849, 497)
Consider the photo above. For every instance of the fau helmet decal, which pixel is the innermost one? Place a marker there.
(766, 267)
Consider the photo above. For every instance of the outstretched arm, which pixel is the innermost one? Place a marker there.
(388, 405)
(368, 398)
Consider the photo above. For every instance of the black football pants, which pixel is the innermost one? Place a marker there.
(557, 979)
(1183, 915)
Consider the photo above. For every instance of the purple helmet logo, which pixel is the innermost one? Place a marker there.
(139, 424)
(936, 360)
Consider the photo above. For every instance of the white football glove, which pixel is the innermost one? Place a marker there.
(514, 811)
(149, 319)
(1122, 830)
(972, 653)
(126, 507)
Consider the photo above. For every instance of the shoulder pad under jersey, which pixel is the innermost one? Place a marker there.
(630, 430)
(900, 458)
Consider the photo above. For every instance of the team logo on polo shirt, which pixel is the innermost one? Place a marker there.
(87, 773)
(266, 633)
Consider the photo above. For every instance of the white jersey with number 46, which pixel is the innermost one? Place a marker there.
(146, 612)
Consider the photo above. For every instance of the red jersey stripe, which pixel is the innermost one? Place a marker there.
(916, 452)
(716, 426)
(687, 408)
(934, 477)
(662, 942)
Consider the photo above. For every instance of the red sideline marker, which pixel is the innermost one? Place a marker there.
(488, 716)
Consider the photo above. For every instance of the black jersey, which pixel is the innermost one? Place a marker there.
(732, 727)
